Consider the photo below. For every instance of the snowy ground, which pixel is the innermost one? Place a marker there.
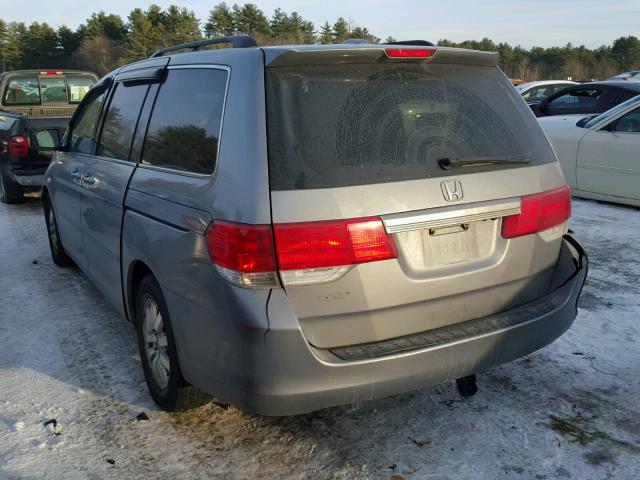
(571, 410)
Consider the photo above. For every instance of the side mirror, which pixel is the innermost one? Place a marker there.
(48, 139)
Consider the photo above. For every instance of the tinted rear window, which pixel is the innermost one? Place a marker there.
(185, 124)
(341, 125)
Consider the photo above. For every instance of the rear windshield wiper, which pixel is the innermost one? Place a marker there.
(462, 162)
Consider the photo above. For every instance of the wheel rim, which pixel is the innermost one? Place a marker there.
(155, 343)
(53, 231)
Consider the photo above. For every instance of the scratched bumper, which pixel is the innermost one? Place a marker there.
(288, 376)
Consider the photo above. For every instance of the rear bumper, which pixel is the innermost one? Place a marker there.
(30, 181)
(289, 376)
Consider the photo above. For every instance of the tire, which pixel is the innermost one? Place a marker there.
(167, 386)
(11, 192)
(58, 254)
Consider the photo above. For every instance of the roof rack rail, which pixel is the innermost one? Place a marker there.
(236, 41)
(421, 43)
(356, 41)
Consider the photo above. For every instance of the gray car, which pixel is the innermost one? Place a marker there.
(291, 228)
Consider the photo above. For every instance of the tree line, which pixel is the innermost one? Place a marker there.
(105, 41)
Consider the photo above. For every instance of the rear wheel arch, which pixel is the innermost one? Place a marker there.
(137, 271)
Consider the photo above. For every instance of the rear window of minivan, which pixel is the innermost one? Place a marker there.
(355, 124)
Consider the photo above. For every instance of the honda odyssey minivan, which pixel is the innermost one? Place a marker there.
(295, 227)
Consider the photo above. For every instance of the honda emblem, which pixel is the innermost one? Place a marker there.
(452, 190)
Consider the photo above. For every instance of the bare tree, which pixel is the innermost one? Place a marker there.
(98, 53)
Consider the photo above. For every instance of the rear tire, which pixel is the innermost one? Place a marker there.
(11, 192)
(58, 254)
(158, 353)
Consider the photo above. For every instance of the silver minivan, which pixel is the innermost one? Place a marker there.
(295, 227)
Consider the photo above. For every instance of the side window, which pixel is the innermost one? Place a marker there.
(83, 131)
(185, 123)
(583, 98)
(557, 88)
(629, 123)
(78, 86)
(537, 94)
(120, 121)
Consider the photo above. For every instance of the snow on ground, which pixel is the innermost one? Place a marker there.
(571, 410)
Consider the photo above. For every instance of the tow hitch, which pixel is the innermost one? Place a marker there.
(467, 386)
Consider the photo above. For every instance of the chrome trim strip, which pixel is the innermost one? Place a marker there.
(449, 216)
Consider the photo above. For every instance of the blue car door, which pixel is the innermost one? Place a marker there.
(106, 178)
(65, 182)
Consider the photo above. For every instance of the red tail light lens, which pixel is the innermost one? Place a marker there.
(332, 243)
(19, 146)
(240, 247)
(307, 252)
(410, 52)
(539, 212)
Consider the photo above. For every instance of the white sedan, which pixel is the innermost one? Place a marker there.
(534, 92)
(600, 154)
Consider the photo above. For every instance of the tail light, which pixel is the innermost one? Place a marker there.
(18, 146)
(410, 52)
(539, 212)
(320, 252)
(307, 253)
(243, 254)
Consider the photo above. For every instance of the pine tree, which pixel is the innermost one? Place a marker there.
(180, 26)
(111, 25)
(4, 40)
(340, 30)
(40, 46)
(326, 34)
(249, 19)
(220, 22)
(143, 38)
(68, 42)
(280, 24)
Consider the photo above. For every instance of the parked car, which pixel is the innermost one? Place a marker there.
(633, 76)
(32, 101)
(600, 154)
(291, 228)
(534, 92)
(586, 98)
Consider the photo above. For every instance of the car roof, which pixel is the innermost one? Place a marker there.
(635, 86)
(39, 70)
(539, 83)
(335, 53)
(546, 82)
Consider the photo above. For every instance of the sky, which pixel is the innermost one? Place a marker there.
(529, 23)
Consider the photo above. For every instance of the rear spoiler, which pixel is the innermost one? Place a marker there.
(349, 53)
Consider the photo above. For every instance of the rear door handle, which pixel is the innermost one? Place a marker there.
(88, 180)
(76, 175)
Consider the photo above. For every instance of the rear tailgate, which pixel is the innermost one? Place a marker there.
(361, 140)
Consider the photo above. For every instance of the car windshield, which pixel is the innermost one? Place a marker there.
(627, 75)
(595, 120)
(50, 89)
(341, 125)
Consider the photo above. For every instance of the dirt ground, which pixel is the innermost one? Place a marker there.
(571, 410)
